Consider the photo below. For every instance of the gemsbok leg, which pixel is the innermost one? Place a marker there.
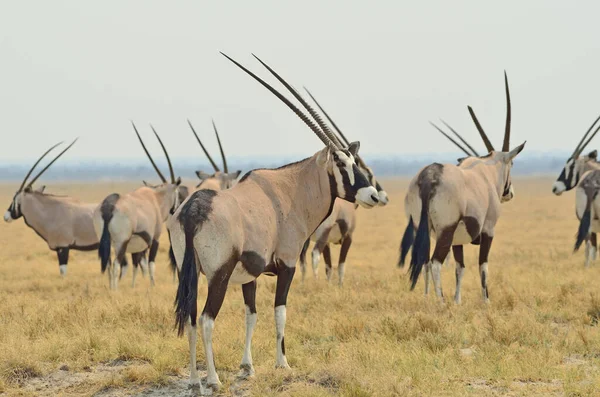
(285, 276)
(151, 260)
(137, 258)
(317, 249)
(484, 251)
(303, 258)
(442, 248)
(114, 271)
(63, 260)
(249, 291)
(457, 250)
(327, 259)
(342, 262)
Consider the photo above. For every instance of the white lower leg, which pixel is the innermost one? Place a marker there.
(436, 273)
(341, 272)
(447, 261)
(114, 272)
(144, 265)
(135, 270)
(63, 270)
(316, 255)
(192, 334)
(208, 325)
(328, 272)
(280, 314)
(123, 272)
(460, 270)
(593, 253)
(587, 253)
(246, 365)
(427, 267)
(483, 273)
(151, 267)
(303, 268)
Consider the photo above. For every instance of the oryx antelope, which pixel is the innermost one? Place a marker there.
(588, 210)
(339, 227)
(571, 176)
(133, 222)
(220, 180)
(459, 204)
(258, 226)
(63, 222)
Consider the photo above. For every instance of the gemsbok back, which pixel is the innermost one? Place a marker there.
(256, 227)
(572, 175)
(460, 204)
(339, 227)
(133, 222)
(219, 180)
(63, 222)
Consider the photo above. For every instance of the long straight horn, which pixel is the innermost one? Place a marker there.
(579, 148)
(204, 149)
(486, 141)
(322, 136)
(461, 139)
(50, 163)
(160, 175)
(339, 132)
(35, 165)
(506, 143)
(311, 111)
(590, 138)
(451, 140)
(171, 172)
(225, 169)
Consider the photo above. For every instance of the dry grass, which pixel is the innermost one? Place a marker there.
(373, 337)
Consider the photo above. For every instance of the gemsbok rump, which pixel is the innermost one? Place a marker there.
(576, 169)
(339, 227)
(460, 204)
(256, 227)
(133, 222)
(63, 222)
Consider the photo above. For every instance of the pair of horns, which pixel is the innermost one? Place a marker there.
(320, 128)
(45, 168)
(583, 143)
(486, 141)
(160, 175)
(339, 132)
(215, 166)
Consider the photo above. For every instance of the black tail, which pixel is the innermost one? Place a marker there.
(407, 241)
(186, 300)
(584, 224)
(172, 260)
(107, 209)
(420, 249)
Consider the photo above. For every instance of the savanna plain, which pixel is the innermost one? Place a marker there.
(538, 336)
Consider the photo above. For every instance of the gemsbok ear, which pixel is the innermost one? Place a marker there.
(593, 155)
(178, 181)
(40, 189)
(353, 148)
(513, 153)
(234, 175)
(145, 183)
(323, 156)
(202, 175)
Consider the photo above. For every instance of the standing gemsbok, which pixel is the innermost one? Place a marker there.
(63, 222)
(133, 222)
(256, 227)
(220, 180)
(459, 204)
(572, 175)
(339, 227)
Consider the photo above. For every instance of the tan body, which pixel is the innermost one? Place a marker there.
(586, 198)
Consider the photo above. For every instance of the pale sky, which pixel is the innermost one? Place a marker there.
(382, 69)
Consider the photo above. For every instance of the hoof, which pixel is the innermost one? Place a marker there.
(283, 366)
(214, 386)
(246, 371)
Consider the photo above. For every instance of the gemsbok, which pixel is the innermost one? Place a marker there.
(460, 204)
(339, 227)
(573, 174)
(587, 209)
(63, 222)
(256, 227)
(219, 180)
(133, 222)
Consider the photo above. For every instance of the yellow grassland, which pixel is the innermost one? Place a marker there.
(539, 335)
